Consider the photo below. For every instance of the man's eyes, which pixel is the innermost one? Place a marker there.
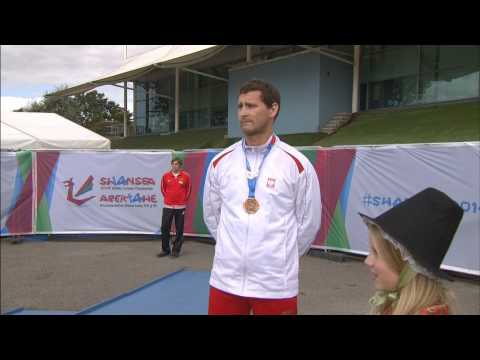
(248, 106)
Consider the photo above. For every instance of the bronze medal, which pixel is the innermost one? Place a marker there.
(251, 205)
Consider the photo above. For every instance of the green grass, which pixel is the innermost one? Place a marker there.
(186, 139)
(303, 139)
(440, 123)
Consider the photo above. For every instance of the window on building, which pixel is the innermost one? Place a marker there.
(404, 75)
(140, 108)
(203, 103)
(154, 107)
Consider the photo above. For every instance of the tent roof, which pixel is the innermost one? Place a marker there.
(167, 56)
(15, 139)
(36, 131)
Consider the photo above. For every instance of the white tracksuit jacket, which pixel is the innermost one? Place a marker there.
(257, 255)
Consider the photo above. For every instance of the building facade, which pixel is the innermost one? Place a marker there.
(396, 76)
(314, 85)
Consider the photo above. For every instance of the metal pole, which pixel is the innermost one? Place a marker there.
(356, 78)
(249, 53)
(125, 108)
(177, 99)
(34, 191)
(205, 74)
(419, 69)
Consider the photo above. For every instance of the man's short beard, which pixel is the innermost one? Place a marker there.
(250, 132)
(256, 131)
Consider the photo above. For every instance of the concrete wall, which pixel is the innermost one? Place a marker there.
(312, 88)
(336, 83)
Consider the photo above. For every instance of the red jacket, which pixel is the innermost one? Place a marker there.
(176, 189)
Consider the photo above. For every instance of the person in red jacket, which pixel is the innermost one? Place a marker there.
(175, 187)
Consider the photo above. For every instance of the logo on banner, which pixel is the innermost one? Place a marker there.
(85, 188)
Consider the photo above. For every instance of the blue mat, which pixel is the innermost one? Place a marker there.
(180, 293)
(23, 238)
(22, 311)
(183, 292)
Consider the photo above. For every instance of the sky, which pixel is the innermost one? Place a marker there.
(30, 71)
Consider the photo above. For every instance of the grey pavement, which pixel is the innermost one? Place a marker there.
(67, 273)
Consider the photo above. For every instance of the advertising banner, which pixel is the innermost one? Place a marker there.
(117, 191)
(371, 180)
(100, 192)
(16, 193)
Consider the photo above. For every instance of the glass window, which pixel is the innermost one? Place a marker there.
(159, 122)
(140, 125)
(459, 84)
(154, 107)
(408, 88)
(140, 109)
(449, 85)
(393, 62)
(363, 96)
(140, 121)
(203, 101)
(139, 89)
(404, 75)
(459, 57)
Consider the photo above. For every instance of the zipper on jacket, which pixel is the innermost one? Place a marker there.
(245, 257)
(244, 280)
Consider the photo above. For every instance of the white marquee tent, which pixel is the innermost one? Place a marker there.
(37, 131)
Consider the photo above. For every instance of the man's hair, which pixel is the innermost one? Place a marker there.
(177, 160)
(268, 93)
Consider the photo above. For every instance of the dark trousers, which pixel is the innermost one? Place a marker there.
(167, 217)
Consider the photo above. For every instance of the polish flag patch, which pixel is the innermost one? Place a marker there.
(271, 183)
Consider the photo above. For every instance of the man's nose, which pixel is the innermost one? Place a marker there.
(242, 112)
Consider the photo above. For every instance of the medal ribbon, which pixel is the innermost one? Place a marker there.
(252, 183)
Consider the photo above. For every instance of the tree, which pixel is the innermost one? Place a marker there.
(90, 110)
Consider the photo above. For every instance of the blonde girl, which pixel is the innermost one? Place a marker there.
(407, 245)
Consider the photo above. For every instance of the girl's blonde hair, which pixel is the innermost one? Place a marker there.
(419, 293)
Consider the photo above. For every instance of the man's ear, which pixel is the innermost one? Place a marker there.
(274, 109)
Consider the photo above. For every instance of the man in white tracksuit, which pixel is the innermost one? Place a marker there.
(261, 204)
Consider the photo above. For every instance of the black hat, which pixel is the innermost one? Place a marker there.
(424, 226)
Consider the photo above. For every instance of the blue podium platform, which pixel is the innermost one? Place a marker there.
(183, 292)
(22, 311)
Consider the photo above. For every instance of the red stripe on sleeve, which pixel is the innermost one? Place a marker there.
(215, 163)
(299, 164)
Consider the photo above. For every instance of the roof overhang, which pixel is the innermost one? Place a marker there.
(165, 57)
